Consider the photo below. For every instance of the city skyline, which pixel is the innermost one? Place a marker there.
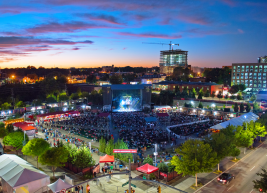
(81, 33)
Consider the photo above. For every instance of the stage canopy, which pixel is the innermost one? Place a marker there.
(106, 158)
(147, 169)
(59, 185)
(162, 114)
(151, 119)
(237, 121)
(17, 174)
(103, 115)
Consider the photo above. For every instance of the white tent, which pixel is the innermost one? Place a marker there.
(17, 175)
(237, 121)
(59, 185)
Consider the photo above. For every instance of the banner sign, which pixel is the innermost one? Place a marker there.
(124, 150)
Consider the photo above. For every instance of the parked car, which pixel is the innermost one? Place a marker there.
(225, 178)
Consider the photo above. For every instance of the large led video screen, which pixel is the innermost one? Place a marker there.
(126, 100)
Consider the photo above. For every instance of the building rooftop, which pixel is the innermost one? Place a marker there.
(151, 76)
(190, 83)
(127, 86)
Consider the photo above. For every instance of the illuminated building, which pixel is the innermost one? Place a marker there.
(252, 75)
(170, 59)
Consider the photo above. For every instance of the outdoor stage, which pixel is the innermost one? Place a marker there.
(126, 98)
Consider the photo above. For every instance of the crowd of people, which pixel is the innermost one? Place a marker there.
(200, 129)
(126, 120)
(177, 118)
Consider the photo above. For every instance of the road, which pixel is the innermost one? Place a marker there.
(244, 172)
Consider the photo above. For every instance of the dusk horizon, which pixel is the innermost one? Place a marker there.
(65, 33)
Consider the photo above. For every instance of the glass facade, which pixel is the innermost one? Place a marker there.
(252, 75)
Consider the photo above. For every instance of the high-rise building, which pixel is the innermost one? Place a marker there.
(253, 75)
(170, 59)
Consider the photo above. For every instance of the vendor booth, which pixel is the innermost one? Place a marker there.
(17, 175)
(27, 127)
(59, 185)
(59, 114)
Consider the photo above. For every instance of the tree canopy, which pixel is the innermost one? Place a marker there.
(197, 157)
(116, 79)
(35, 147)
(262, 182)
(54, 157)
(15, 139)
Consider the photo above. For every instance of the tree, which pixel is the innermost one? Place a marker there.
(223, 145)
(242, 108)
(63, 97)
(54, 157)
(200, 95)
(197, 157)
(74, 96)
(244, 138)
(236, 108)
(116, 79)
(148, 160)
(20, 104)
(35, 147)
(239, 96)
(91, 79)
(83, 158)
(102, 145)
(5, 106)
(200, 105)
(85, 95)
(120, 144)
(15, 139)
(9, 128)
(51, 98)
(261, 184)
(256, 107)
(253, 98)
(258, 129)
(176, 89)
(248, 107)
(163, 167)
(110, 146)
(207, 93)
(219, 95)
(213, 94)
(3, 132)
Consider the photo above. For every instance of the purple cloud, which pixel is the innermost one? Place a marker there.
(68, 27)
(150, 35)
(240, 31)
(100, 17)
(22, 46)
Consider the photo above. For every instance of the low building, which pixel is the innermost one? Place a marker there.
(252, 75)
(150, 79)
(198, 79)
(170, 85)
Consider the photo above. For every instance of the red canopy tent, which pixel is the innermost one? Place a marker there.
(162, 114)
(24, 126)
(147, 169)
(106, 158)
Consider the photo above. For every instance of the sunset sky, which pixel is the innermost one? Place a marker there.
(91, 33)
